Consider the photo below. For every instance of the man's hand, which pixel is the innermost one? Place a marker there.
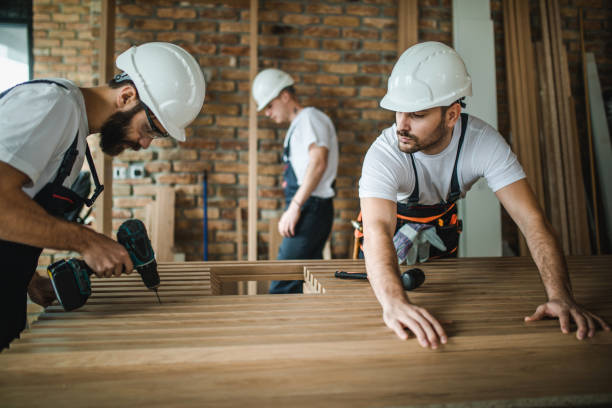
(288, 221)
(41, 290)
(425, 327)
(563, 310)
(106, 257)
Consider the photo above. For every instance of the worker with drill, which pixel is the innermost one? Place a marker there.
(43, 129)
(311, 162)
(415, 171)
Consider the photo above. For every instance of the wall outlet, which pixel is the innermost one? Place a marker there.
(136, 171)
(119, 173)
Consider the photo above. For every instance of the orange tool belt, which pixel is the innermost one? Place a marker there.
(442, 216)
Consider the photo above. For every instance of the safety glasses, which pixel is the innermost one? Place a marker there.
(156, 132)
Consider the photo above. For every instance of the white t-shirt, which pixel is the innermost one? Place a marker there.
(387, 172)
(308, 127)
(38, 123)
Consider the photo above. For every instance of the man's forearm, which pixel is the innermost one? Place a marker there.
(382, 269)
(314, 173)
(22, 220)
(548, 256)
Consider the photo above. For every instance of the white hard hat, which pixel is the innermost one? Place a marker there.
(426, 75)
(168, 80)
(268, 84)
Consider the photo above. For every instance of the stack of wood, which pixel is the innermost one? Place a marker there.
(543, 126)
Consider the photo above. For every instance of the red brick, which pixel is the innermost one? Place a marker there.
(321, 55)
(284, 6)
(338, 91)
(380, 23)
(300, 19)
(135, 9)
(176, 13)
(323, 9)
(322, 32)
(340, 45)
(175, 178)
(341, 68)
(321, 79)
(177, 154)
(150, 24)
(231, 167)
(220, 13)
(300, 42)
(174, 37)
(65, 18)
(362, 10)
(360, 33)
(226, 26)
(342, 21)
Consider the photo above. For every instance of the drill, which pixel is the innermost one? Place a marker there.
(70, 278)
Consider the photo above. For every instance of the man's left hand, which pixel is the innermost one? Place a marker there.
(565, 310)
(41, 290)
(286, 225)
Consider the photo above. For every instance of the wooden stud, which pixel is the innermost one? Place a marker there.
(252, 191)
(104, 163)
(587, 106)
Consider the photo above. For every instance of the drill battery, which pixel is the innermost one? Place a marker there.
(71, 283)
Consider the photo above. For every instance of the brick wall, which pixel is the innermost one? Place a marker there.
(340, 54)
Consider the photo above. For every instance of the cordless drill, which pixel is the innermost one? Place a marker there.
(70, 278)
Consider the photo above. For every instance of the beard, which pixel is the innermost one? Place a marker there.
(436, 137)
(113, 133)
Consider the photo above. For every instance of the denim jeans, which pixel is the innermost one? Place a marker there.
(311, 232)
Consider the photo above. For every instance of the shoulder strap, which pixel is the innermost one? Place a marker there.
(414, 197)
(34, 81)
(455, 190)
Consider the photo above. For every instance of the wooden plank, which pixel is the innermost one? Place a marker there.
(252, 189)
(555, 146)
(268, 350)
(162, 233)
(585, 83)
(407, 24)
(104, 163)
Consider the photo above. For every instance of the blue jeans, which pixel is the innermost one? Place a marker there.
(311, 232)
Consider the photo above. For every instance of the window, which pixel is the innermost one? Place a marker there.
(15, 43)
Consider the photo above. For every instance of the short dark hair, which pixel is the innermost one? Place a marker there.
(291, 90)
(114, 84)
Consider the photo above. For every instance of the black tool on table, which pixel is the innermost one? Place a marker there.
(70, 277)
(411, 279)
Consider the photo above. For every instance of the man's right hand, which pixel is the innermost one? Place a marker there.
(105, 256)
(426, 328)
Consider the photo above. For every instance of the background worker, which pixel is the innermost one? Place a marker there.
(43, 130)
(311, 162)
(428, 159)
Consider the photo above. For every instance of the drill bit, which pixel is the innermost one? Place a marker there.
(157, 294)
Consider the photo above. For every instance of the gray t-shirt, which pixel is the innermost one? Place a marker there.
(38, 123)
(308, 127)
(387, 172)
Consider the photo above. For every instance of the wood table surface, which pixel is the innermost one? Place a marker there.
(325, 348)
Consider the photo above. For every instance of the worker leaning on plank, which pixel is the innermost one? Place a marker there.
(416, 170)
(311, 163)
(43, 129)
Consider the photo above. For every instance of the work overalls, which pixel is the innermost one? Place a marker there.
(20, 260)
(311, 230)
(442, 216)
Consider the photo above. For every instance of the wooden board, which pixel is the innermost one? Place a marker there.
(326, 349)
